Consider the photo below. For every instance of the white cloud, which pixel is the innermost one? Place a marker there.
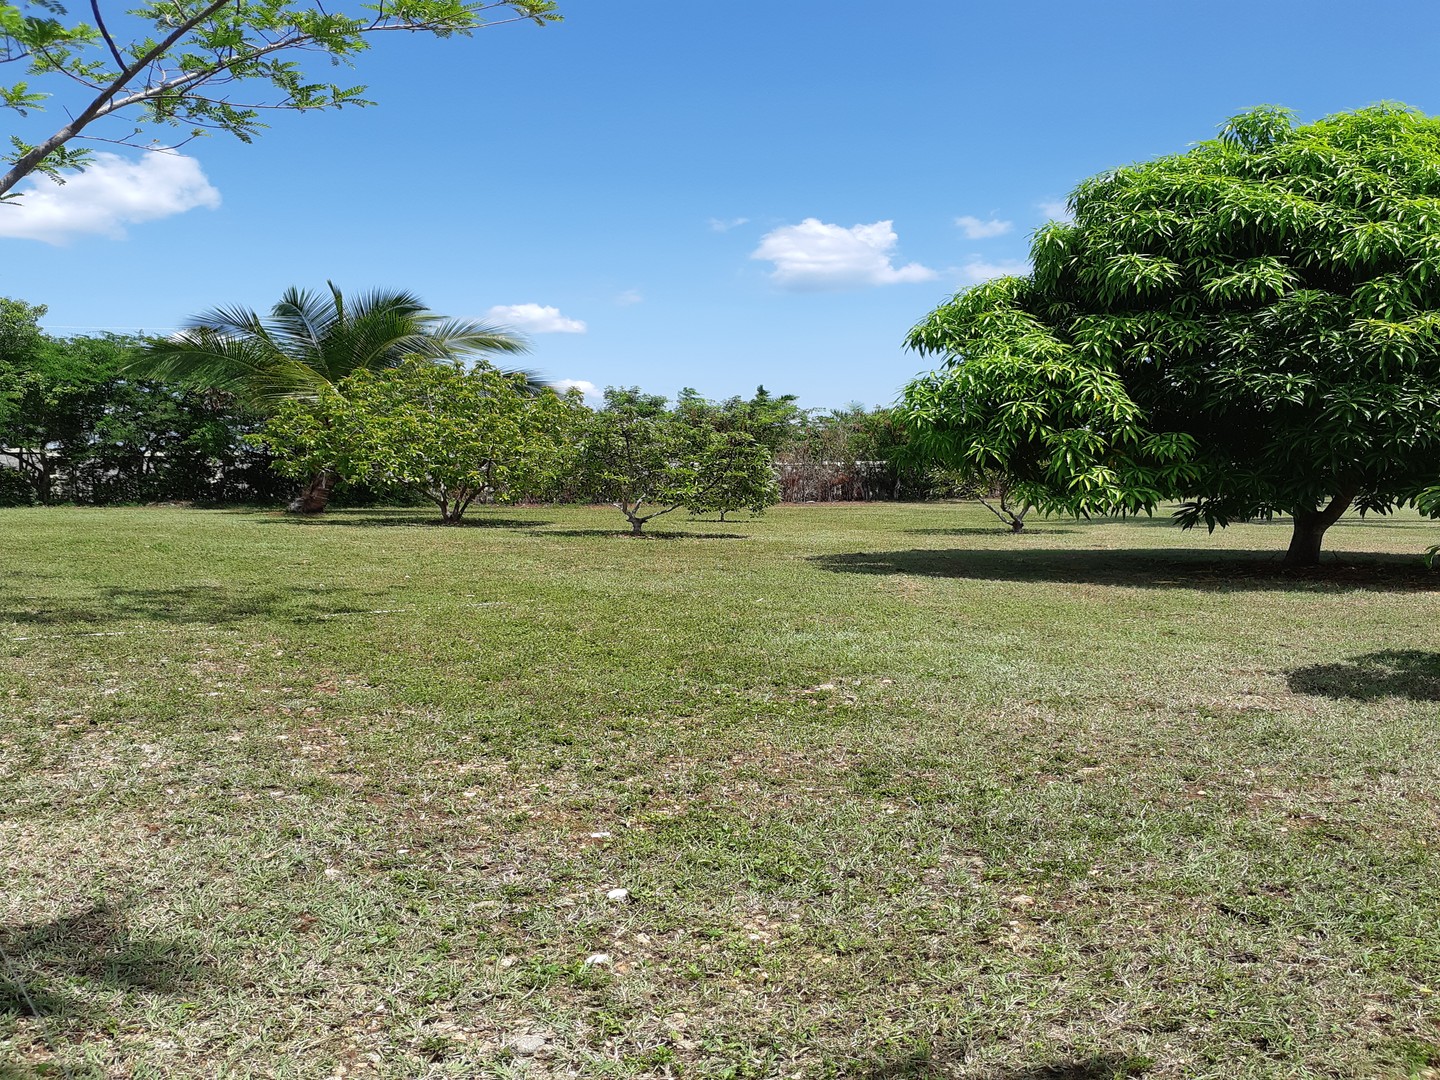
(1056, 210)
(534, 319)
(978, 270)
(629, 298)
(814, 256)
(975, 229)
(112, 193)
(593, 394)
(719, 225)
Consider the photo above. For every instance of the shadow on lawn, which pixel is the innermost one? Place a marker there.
(1404, 673)
(996, 530)
(626, 534)
(406, 519)
(1222, 571)
(46, 961)
(208, 605)
(928, 1066)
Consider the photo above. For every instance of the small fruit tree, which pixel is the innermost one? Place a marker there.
(649, 459)
(453, 434)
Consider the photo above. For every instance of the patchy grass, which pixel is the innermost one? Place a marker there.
(893, 794)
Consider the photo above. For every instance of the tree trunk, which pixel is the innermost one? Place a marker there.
(44, 486)
(316, 495)
(636, 524)
(1310, 526)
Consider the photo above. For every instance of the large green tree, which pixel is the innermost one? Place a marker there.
(453, 434)
(196, 65)
(1251, 327)
(307, 344)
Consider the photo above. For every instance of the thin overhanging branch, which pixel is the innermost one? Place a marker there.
(29, 160)
(105, 33)
(195, 78)
(117, 94)
(149, 147)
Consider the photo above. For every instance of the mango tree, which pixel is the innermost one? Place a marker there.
(1249, 327)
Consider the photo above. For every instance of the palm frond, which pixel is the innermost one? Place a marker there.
(466, 338)
(312, 340)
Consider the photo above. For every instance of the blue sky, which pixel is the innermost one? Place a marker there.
(699, 194)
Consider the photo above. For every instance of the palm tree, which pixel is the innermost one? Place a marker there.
(308, 343)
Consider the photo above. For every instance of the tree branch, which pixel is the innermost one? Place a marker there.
(27, 162)
(109, 101)
(105, 33)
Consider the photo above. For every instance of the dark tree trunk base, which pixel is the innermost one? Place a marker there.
(316, 495)
(1310, 526)
(1305, 542)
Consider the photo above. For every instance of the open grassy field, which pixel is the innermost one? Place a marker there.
(891, 794)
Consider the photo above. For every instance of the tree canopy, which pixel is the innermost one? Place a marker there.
(1251, 327)
(452, 434)
(650, 460)
(197, 65)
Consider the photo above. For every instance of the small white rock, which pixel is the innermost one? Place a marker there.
(618, 895)
(528, 1045)
(599, 959)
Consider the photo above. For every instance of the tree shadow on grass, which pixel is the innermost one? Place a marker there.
(626, 534)
(1104, 1067)
(408, 519)
(927, 1065)
(49, 1070)
(1403, 673)
(207, 605)
(50, 964)
(1219, 571)
(996, 530)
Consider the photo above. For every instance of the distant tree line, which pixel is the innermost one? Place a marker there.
(115, 419)
(75, 427)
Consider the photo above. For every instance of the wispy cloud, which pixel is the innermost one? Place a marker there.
(976, 229)
(629, 298)
(534, 319)
(591, 392)
(1056, 210)
(814, 256)
(722, 225)
(978, 270)
(109, 195)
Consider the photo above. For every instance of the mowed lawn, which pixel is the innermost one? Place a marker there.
(891, 793)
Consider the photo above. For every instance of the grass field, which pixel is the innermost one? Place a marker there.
(891, 794)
